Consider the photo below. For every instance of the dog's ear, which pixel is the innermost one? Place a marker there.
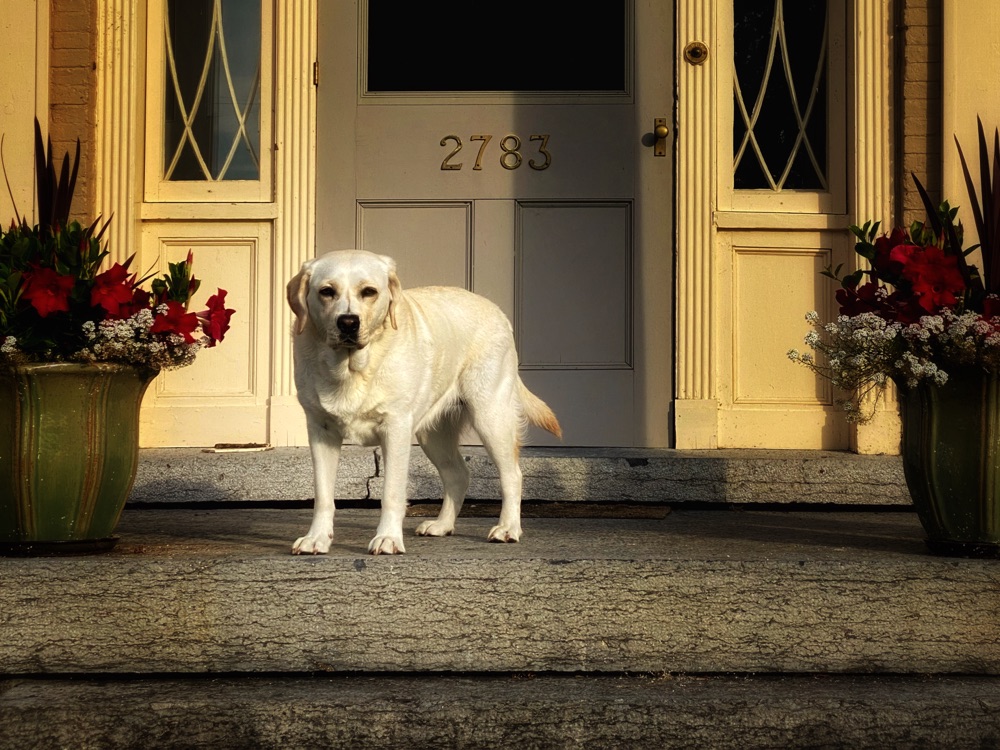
(296, 291)
(395, 289)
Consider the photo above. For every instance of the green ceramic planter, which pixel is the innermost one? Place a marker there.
(69, 443)
(951, 459)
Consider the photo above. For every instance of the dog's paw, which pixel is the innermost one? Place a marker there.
(386, 545)
(504, 533)
(435, 528)
(312, 544)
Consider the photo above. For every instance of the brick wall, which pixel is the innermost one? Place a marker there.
(919, 75)
(72, 92)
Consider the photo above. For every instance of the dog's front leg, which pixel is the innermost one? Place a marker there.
(396, 450)
(324, 445)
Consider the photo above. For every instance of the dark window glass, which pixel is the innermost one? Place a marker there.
(212, 100)
(788, 95)
(549, 45)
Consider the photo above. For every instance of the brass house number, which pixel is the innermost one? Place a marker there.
(510, 152)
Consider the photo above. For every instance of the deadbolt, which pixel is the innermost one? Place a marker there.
(696, 53)
(660, 133)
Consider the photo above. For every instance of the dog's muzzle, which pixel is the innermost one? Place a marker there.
(349, 326)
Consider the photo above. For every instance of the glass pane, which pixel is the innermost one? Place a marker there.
(548, 45)
(779, 94)
(212, 113)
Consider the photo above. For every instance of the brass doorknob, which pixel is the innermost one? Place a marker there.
(660, 133)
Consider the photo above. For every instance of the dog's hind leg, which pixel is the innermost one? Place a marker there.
(441, 446)
(500, 432)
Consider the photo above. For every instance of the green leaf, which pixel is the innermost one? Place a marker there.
(865, 250)
(851, 281)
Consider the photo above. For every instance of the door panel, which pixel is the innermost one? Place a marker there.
(222, 396)
(574, 301)
(548, 201)
(436, 236)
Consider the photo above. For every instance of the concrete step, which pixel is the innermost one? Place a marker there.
(190, 475)
(522, 711)
(716, 591)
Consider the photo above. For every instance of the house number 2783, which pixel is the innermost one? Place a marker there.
(510, 152)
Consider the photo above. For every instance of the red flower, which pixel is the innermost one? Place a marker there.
(140, 301)
(176, 320)
(900, 256)
(215, 320)
(991, 307)
(113, 291)
(884, 264)
(934, 277)
(48, 291)
(860, 300)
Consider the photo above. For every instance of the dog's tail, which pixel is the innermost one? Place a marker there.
(538, 413)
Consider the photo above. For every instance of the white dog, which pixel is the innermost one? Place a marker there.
(377, 365)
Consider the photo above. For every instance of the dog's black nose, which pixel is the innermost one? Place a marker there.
(349, 324)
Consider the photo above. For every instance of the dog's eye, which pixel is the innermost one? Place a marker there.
(328, 292)
(369, 291)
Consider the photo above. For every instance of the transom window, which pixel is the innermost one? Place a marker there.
(544, 46)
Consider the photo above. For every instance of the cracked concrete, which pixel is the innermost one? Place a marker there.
(714, 591)
(526, 711)
(186, 475)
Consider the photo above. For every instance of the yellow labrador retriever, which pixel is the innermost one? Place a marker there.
(376, 365)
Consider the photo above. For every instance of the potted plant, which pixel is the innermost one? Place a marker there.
(920, 315)
(79, 344)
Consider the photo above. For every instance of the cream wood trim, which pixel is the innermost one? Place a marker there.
(696, 408)
(119, 150)
(753, 220)
(295, 170)
(198, 212)
(871, 183)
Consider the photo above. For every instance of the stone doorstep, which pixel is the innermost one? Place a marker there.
(709, 591)
(522, 711)
(189, 475)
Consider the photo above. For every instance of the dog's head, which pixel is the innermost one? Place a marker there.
(348, 296)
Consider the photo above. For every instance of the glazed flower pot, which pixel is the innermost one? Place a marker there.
(951, 459)
(69, 442)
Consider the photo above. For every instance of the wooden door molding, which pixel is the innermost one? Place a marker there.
(696, 403)
(708, 237)
(285, 223)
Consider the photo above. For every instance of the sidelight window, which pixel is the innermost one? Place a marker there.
(781, 81)
(208, 121)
